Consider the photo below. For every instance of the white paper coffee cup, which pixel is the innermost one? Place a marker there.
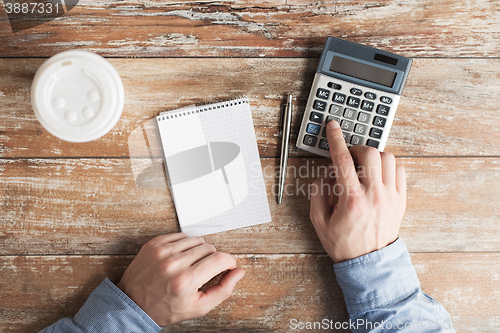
(77, 96)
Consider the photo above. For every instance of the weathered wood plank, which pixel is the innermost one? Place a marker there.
(135, 28)
(95, 206)
(275, 290)
(449, 107)
(466, 284)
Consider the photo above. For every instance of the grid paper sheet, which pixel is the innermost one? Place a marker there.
(213, 167)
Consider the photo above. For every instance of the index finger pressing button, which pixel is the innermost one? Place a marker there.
(341, 157)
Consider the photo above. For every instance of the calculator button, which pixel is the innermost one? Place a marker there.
(376, 133)
(316, 117)
(350, 114)
(332, 118)
(370, 95)
(347, 125)
(313, 129)
(347, 136)
(356, 92)
(339, 98)
(323, 134)
(383, 110)
(379, 121)
(310, 140)
(364, 117)
(353, 102)
(323, 93)
(334, 86)
(360, 129)
(367, 106)
(319, 105)
(323, 144)
(386, 100)
(336, 110)
(356, 140)
(372, 143)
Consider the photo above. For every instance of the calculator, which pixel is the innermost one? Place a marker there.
(357, 86)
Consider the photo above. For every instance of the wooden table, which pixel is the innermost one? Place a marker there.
(73, 214)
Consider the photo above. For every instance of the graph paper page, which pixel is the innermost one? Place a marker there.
(213, 167)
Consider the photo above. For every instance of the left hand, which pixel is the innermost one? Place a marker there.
(165, 276)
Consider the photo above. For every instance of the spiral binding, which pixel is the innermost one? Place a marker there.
(187, 111)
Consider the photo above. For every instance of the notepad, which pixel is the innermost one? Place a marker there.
(213, 167)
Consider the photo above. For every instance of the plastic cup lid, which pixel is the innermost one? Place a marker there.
(77, 96)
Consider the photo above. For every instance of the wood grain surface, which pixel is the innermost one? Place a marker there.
(97, 206)
(276, 289)
(282, 28)
(434, 117)
(72, 214)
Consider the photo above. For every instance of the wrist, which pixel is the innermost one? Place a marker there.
(349, 252)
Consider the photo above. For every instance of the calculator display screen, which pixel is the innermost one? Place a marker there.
(362, 71)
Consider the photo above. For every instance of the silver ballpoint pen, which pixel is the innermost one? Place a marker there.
(287, 122)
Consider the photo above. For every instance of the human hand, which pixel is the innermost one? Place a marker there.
(165, 276)
(371, 190)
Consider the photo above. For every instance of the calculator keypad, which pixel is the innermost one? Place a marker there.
(335, 86)
(379, 121)
(313, 129)
(370, 95)
(367, 106)
(353, 102)
(336, 110)
(350, 114)
(339, 98)
(323, 93)
(362, 114)
(346, 125)
(323, 144)
(316, 117)
(319, 105)
(310, 140)
(364, 117)
(376, 133)
(383, 110)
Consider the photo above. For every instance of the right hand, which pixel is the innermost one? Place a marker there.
(165, 276)
(371, 190)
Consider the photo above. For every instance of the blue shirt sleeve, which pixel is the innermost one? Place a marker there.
(382, 294)
(108, 309)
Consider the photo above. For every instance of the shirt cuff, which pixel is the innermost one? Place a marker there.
(377, 278)
(108, 309)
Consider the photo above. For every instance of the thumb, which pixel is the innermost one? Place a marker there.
(322, 195)
(214, 295)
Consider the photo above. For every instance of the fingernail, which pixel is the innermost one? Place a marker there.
(333, 124)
